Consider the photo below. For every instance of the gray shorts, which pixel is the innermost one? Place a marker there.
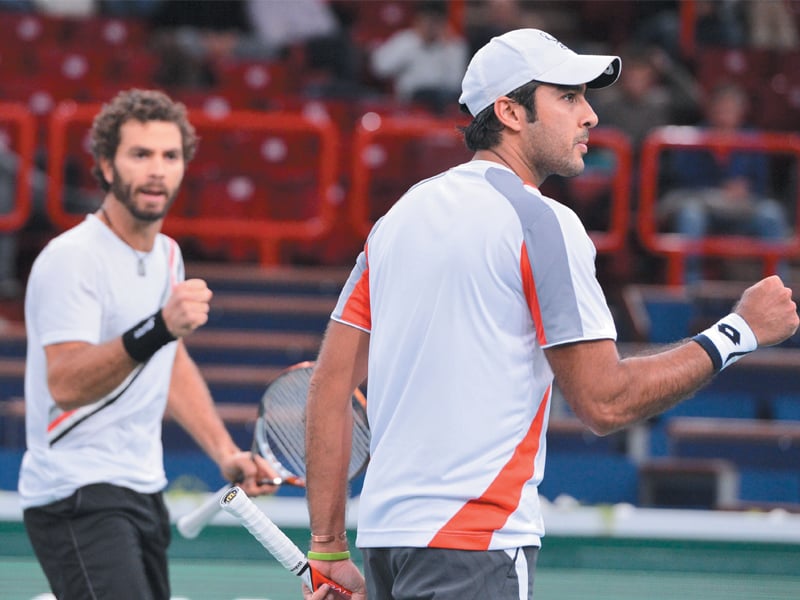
(443, 574)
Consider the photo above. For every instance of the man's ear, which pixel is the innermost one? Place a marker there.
(510, 113)
(106, 169)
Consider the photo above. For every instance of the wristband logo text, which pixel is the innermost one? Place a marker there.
(144, 328)
(730, 332)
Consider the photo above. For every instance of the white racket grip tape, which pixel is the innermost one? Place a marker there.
(191, 524)
(236, 502)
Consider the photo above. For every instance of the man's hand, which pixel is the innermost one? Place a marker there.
(187, 308)
(343, 572)
(769, 310)
(249, 471)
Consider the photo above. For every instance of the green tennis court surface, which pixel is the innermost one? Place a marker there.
(21, 579)
(226, 563)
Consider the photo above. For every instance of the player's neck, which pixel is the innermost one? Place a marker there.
(512, 162)
(137, 234)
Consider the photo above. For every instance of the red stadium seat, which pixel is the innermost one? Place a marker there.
(26, 30)
(20, 36)
(778, 111)
(74, 72)
(15, 64)
(107, 33)
(230, 198)
(256, 85)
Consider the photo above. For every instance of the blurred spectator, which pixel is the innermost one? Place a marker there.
(320, 30)
(247, 29)
(721, 23)
(137, 9)
(193, 36)
(772, 25)
(722, 193)
(653, 91)
(66, 8)
(644, 24)
(278, 24)
(489, 18)
(425, 62)
(190, 35)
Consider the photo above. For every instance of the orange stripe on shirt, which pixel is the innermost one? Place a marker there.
(529, 287)
(472, 527)
(59, 419)
(357, 309)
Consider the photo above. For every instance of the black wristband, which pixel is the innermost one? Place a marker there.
(712, 351)
(145, 338)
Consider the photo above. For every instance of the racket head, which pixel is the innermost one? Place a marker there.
(280, 429)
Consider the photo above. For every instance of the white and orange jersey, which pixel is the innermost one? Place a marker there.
(461, 285)
(85, 286)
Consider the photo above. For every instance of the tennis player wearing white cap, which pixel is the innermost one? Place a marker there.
(471, 295)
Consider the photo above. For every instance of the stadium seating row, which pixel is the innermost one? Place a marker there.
(44, 60)
(294, 174)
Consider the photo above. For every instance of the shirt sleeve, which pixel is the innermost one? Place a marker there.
(65, 303)
(563, 286)
(353, 306)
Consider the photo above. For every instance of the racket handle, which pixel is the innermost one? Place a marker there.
(236, 502)
(274, 540)
(192, 523)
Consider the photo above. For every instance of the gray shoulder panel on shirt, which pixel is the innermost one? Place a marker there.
(547, 254)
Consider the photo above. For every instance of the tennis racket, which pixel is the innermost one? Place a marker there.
(236, 502)
(280, 438)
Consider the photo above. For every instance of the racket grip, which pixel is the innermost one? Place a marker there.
(235, 501)
(192, 523)
(275, 541)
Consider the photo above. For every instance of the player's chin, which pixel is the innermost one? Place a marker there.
(573, 169)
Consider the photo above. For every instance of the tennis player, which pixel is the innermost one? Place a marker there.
(471, 295)
(106, 312)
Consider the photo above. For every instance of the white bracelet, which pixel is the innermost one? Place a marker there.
(728, 340)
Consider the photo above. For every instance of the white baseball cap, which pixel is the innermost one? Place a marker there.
(523, 55)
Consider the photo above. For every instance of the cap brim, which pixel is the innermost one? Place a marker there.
(594, 70)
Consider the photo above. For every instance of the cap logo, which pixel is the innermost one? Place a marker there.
(550, 38)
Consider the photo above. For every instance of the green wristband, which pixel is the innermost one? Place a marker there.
(344, 555)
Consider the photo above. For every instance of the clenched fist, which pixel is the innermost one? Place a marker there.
(769, 310)
(187, 308)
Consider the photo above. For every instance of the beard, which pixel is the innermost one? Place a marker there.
(550, 156)
(123, 192)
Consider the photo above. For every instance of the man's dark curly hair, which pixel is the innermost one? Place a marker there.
(483, 132)
(143, 106)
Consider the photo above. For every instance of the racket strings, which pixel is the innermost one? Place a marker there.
(280, 431)
(284, 419)
(359, 453)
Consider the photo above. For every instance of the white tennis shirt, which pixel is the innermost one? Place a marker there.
(84, 286)
(461, 285)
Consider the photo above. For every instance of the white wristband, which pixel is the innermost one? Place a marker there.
(728, 340)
